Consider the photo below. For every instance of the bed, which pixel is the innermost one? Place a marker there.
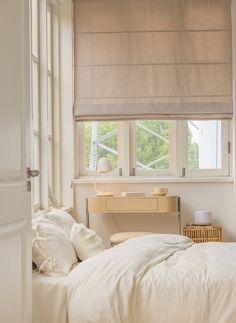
(151, 279)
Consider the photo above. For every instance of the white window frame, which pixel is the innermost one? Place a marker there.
(225, 153)
(49, 37)
(45, 132)
(178, 153)
(35, 101)
(80, 149)
(159, 172)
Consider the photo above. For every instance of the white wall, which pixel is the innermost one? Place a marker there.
(218, 197)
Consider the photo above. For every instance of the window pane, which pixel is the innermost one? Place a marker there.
(204, 144)
(35, 95)
(153, 144)
(49, 40)
(35, 28)
(49, 106)
(101, 141)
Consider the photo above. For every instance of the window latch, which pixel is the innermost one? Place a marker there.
(32, 172)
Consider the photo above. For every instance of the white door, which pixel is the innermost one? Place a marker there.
(15, 205)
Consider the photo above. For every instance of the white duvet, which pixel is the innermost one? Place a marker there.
(151, 279)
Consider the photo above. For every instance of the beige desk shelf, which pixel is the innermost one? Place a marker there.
(144, 204)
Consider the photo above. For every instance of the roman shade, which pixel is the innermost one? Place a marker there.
(141, 59)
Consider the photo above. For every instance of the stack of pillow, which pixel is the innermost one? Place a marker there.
(58, 242)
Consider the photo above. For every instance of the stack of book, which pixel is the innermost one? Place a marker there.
(132, 194)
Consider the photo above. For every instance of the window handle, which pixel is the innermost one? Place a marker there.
(32, 172)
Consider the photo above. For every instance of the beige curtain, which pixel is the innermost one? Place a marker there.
(140, 59)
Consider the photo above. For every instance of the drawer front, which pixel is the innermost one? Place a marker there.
(131, 204)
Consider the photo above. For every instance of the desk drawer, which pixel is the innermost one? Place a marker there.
(131, 204)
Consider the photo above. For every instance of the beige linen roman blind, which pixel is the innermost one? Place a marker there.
(139, 59)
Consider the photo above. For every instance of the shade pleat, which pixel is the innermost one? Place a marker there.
(152, 59)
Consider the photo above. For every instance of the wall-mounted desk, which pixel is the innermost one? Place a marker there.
(144, 204)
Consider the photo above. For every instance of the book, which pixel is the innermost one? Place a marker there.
(132, 194)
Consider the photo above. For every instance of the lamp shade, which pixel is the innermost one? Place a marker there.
(104, 165)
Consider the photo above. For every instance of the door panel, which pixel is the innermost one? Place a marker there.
(11, 197)
(11, 280)
(15, 134)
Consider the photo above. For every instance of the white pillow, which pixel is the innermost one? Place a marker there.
(85, 241)
(52, 252)
(61, 218)
(36, 220)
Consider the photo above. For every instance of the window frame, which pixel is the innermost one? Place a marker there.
(80, 151)
(50, 143)
(35, 72)
(225, 154)
(42, 15)
(157, 172)
(178, 154)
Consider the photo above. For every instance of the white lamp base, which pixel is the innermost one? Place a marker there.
(104, 194)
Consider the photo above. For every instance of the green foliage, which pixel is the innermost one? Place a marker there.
(193, 152)
(151, 148)
(103, 128)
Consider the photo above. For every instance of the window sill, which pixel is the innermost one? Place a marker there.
(156, 180)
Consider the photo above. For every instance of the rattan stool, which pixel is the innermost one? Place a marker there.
(120, 237)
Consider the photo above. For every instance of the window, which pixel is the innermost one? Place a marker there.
(49, 96)
(101, 140)
(42, 100)
(207, 147)
(153, 147)
(157, 147)
(35, 101)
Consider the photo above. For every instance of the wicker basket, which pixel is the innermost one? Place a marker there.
(203, 233)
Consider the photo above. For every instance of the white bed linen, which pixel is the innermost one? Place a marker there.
(151, 279)
(50, 297)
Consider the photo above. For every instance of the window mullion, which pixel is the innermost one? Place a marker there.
(124, 147)
(231, 151)
(133, 148)
(172, 138)
(226, 153)
(43, 106)
(56, 104)
(182, 150)
(80, 148)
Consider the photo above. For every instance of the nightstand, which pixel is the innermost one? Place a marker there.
(203, 233)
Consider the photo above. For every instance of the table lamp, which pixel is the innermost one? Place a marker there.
(103, 166)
